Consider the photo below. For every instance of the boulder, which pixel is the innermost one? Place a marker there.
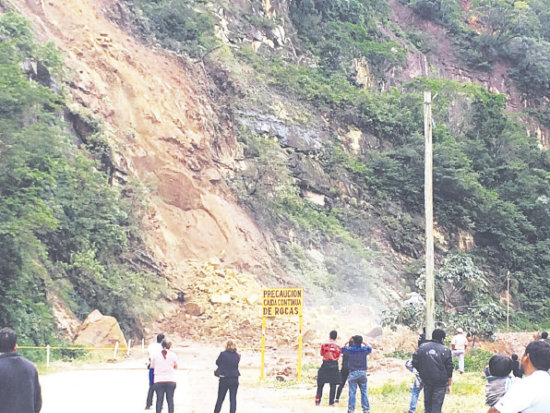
(309, 336)
(252, 299)
(375, 332)
(99, 330)
(193, 309)
(220, 299)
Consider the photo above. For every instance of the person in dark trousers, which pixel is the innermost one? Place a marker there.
(435, 366)
(328, 372)
(19, 385)
(357, 364)
(165, 364)
(152, 349)
(344, 373)
(228, 372)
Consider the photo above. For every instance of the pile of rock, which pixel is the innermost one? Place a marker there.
(215, 304)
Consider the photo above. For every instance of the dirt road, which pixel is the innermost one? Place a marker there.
(122, 387)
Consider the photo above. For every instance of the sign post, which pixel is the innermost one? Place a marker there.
(263, 348)
(282, 302)
(299, 370)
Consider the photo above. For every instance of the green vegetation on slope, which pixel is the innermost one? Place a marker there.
(340, 30)
(490, 177)
(63, 228)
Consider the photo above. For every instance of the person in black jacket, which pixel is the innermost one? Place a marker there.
(435, 366)
(344, 373)
(228, 372)
(19, 386)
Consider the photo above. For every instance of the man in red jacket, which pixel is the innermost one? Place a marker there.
(328, 372)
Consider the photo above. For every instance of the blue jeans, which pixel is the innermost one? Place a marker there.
(358, 378)
(415, 392)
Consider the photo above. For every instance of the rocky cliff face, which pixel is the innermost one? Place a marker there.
(165, 131)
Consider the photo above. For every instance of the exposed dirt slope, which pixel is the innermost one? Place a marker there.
(165, 130)
(444, 61)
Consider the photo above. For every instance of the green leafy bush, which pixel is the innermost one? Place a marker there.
(179, 26)
(341, 30)
(476, 360)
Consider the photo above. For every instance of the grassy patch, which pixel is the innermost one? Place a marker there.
(467, 394)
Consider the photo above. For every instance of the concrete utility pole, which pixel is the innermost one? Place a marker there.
(429, 214)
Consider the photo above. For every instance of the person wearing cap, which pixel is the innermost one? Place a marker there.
(459, 344)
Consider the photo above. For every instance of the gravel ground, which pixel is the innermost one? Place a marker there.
(122, 387)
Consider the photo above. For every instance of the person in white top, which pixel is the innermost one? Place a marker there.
(459, 344)
(165, 364)
(530, 394)
(152, 349)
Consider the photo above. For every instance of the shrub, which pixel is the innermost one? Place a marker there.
(476, 360)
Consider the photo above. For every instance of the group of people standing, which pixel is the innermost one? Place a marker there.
(354, 370)
(514, 385)
(163, 362)
(506, 391)
(520, 385)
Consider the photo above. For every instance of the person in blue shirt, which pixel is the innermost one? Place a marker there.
(357, 365)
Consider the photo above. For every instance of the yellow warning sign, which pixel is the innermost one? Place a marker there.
(277, 302)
